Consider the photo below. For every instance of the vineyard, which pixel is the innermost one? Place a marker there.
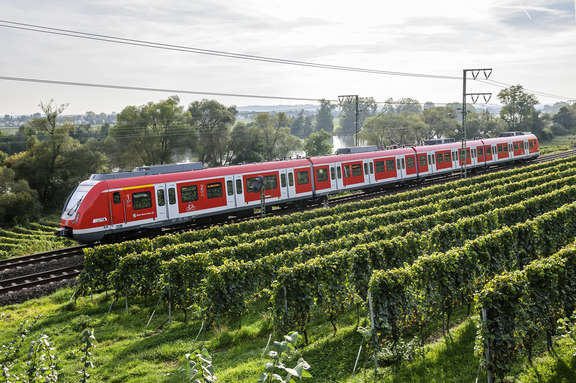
(372, 287)
(31, 238)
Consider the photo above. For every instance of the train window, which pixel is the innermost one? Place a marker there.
(430, 158)
(366, 168)
(410, 162)
(230, 187)
(474, 153)
(171, 196)
(447, 157)
(347, 171)
(142, 200)
(499, 148)
(454, 156)
(238, 186)
(488, 150)
(371, 168)
(356, 170)
(480, 152)
(161, 197)
(116, 197)
(439, 158)
(188, 193)
(321, 174)
(379, 166)
(422, 160)
(531, 144)
(214, 190)
(283, 180)
(402, 160)
(332, 173)
(339, 171)
(302, 177)
(390, 166)
(398, 166)
(291, 179)
(508, 148)
(525, 146)
(270, 182)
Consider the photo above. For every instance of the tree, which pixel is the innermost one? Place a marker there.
(213, 121)
(18, 202)
(385, 129)
(366, 108)
(246, 144)
(482, 124)
(301, 126)
(276, 138)
(151, 133)
(324, 119)
(565, 120)
(318, 144)
(442, 122)
(408, 106)
(518, 108)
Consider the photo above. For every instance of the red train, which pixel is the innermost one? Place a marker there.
(107, 204)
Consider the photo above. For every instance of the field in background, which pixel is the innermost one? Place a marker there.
(31, 238)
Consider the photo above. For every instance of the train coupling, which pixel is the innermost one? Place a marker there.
(64, 232)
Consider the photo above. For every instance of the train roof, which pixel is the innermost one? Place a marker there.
(359, 156)
(207, 173)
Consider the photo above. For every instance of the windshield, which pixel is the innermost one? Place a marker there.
(74, 201)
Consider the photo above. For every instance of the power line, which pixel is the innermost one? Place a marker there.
(176, 91)
(501, 84)
(162, 90)
(220, 53)
(210, 52)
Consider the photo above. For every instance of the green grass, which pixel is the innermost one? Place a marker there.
(126, 352)
(558, 144)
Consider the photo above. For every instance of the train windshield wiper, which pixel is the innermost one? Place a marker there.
(75, 208)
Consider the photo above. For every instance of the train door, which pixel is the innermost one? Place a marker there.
(333, 177)
(117, 208)
(161, 205)
(400, 167)
(239, 191)
(291, 183)
(230, 195)
(172, 201)
(339, 179)
(368, 176)
(284, 194)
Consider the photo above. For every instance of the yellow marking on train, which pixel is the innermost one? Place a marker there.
(137, 187)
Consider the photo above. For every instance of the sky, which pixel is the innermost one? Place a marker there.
(532, 43)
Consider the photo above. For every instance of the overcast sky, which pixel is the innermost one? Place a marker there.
(532, 43)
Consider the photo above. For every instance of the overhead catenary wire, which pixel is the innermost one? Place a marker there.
(193, 92)
(235, 55)
(210, 52)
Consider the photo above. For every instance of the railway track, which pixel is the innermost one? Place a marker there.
(18, 279)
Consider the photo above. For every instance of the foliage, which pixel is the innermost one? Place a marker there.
(18, 202)
(324, 119)
(318, 144)
(280, 353)
(366, 108)
(518, 306)
(150, 134)
(213, 121)
(200, 367)
(518, 108)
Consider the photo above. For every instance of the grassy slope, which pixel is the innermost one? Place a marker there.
(32, 238)
(127, 353)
